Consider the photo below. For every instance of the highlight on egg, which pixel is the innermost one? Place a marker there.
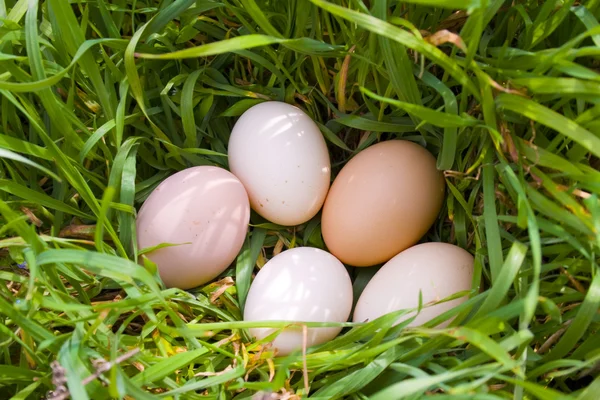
(303, 284)
(382, 202)
(205, 212)
(279, 154)
(437, 270)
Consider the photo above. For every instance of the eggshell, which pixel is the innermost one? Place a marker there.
(206, 210)
(280, 156)
(303, 284)
(438, 270)
(382, 202)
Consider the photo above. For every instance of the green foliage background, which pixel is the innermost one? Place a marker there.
(101, 100)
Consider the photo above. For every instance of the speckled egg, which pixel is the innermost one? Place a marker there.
(279, 154)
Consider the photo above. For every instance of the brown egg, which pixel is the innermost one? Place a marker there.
(382, 202)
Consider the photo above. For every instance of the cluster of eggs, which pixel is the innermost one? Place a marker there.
(378, 207)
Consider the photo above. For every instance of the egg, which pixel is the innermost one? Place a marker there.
(437, 270)
(303, 284)
(280, 156)
(382, 202)
(205, 211)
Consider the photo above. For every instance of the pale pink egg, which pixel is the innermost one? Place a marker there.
(205, 210)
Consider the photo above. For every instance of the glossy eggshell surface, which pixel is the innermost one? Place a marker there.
(438, 270)
(280, 156)
(382, 202)
(205, 207)
(303, 284)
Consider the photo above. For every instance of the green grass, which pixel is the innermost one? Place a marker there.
(101, 100)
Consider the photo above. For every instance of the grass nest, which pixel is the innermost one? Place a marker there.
(101, 100)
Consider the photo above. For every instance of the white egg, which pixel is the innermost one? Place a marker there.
(303, 284)
(438, 270)
(280, 156)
